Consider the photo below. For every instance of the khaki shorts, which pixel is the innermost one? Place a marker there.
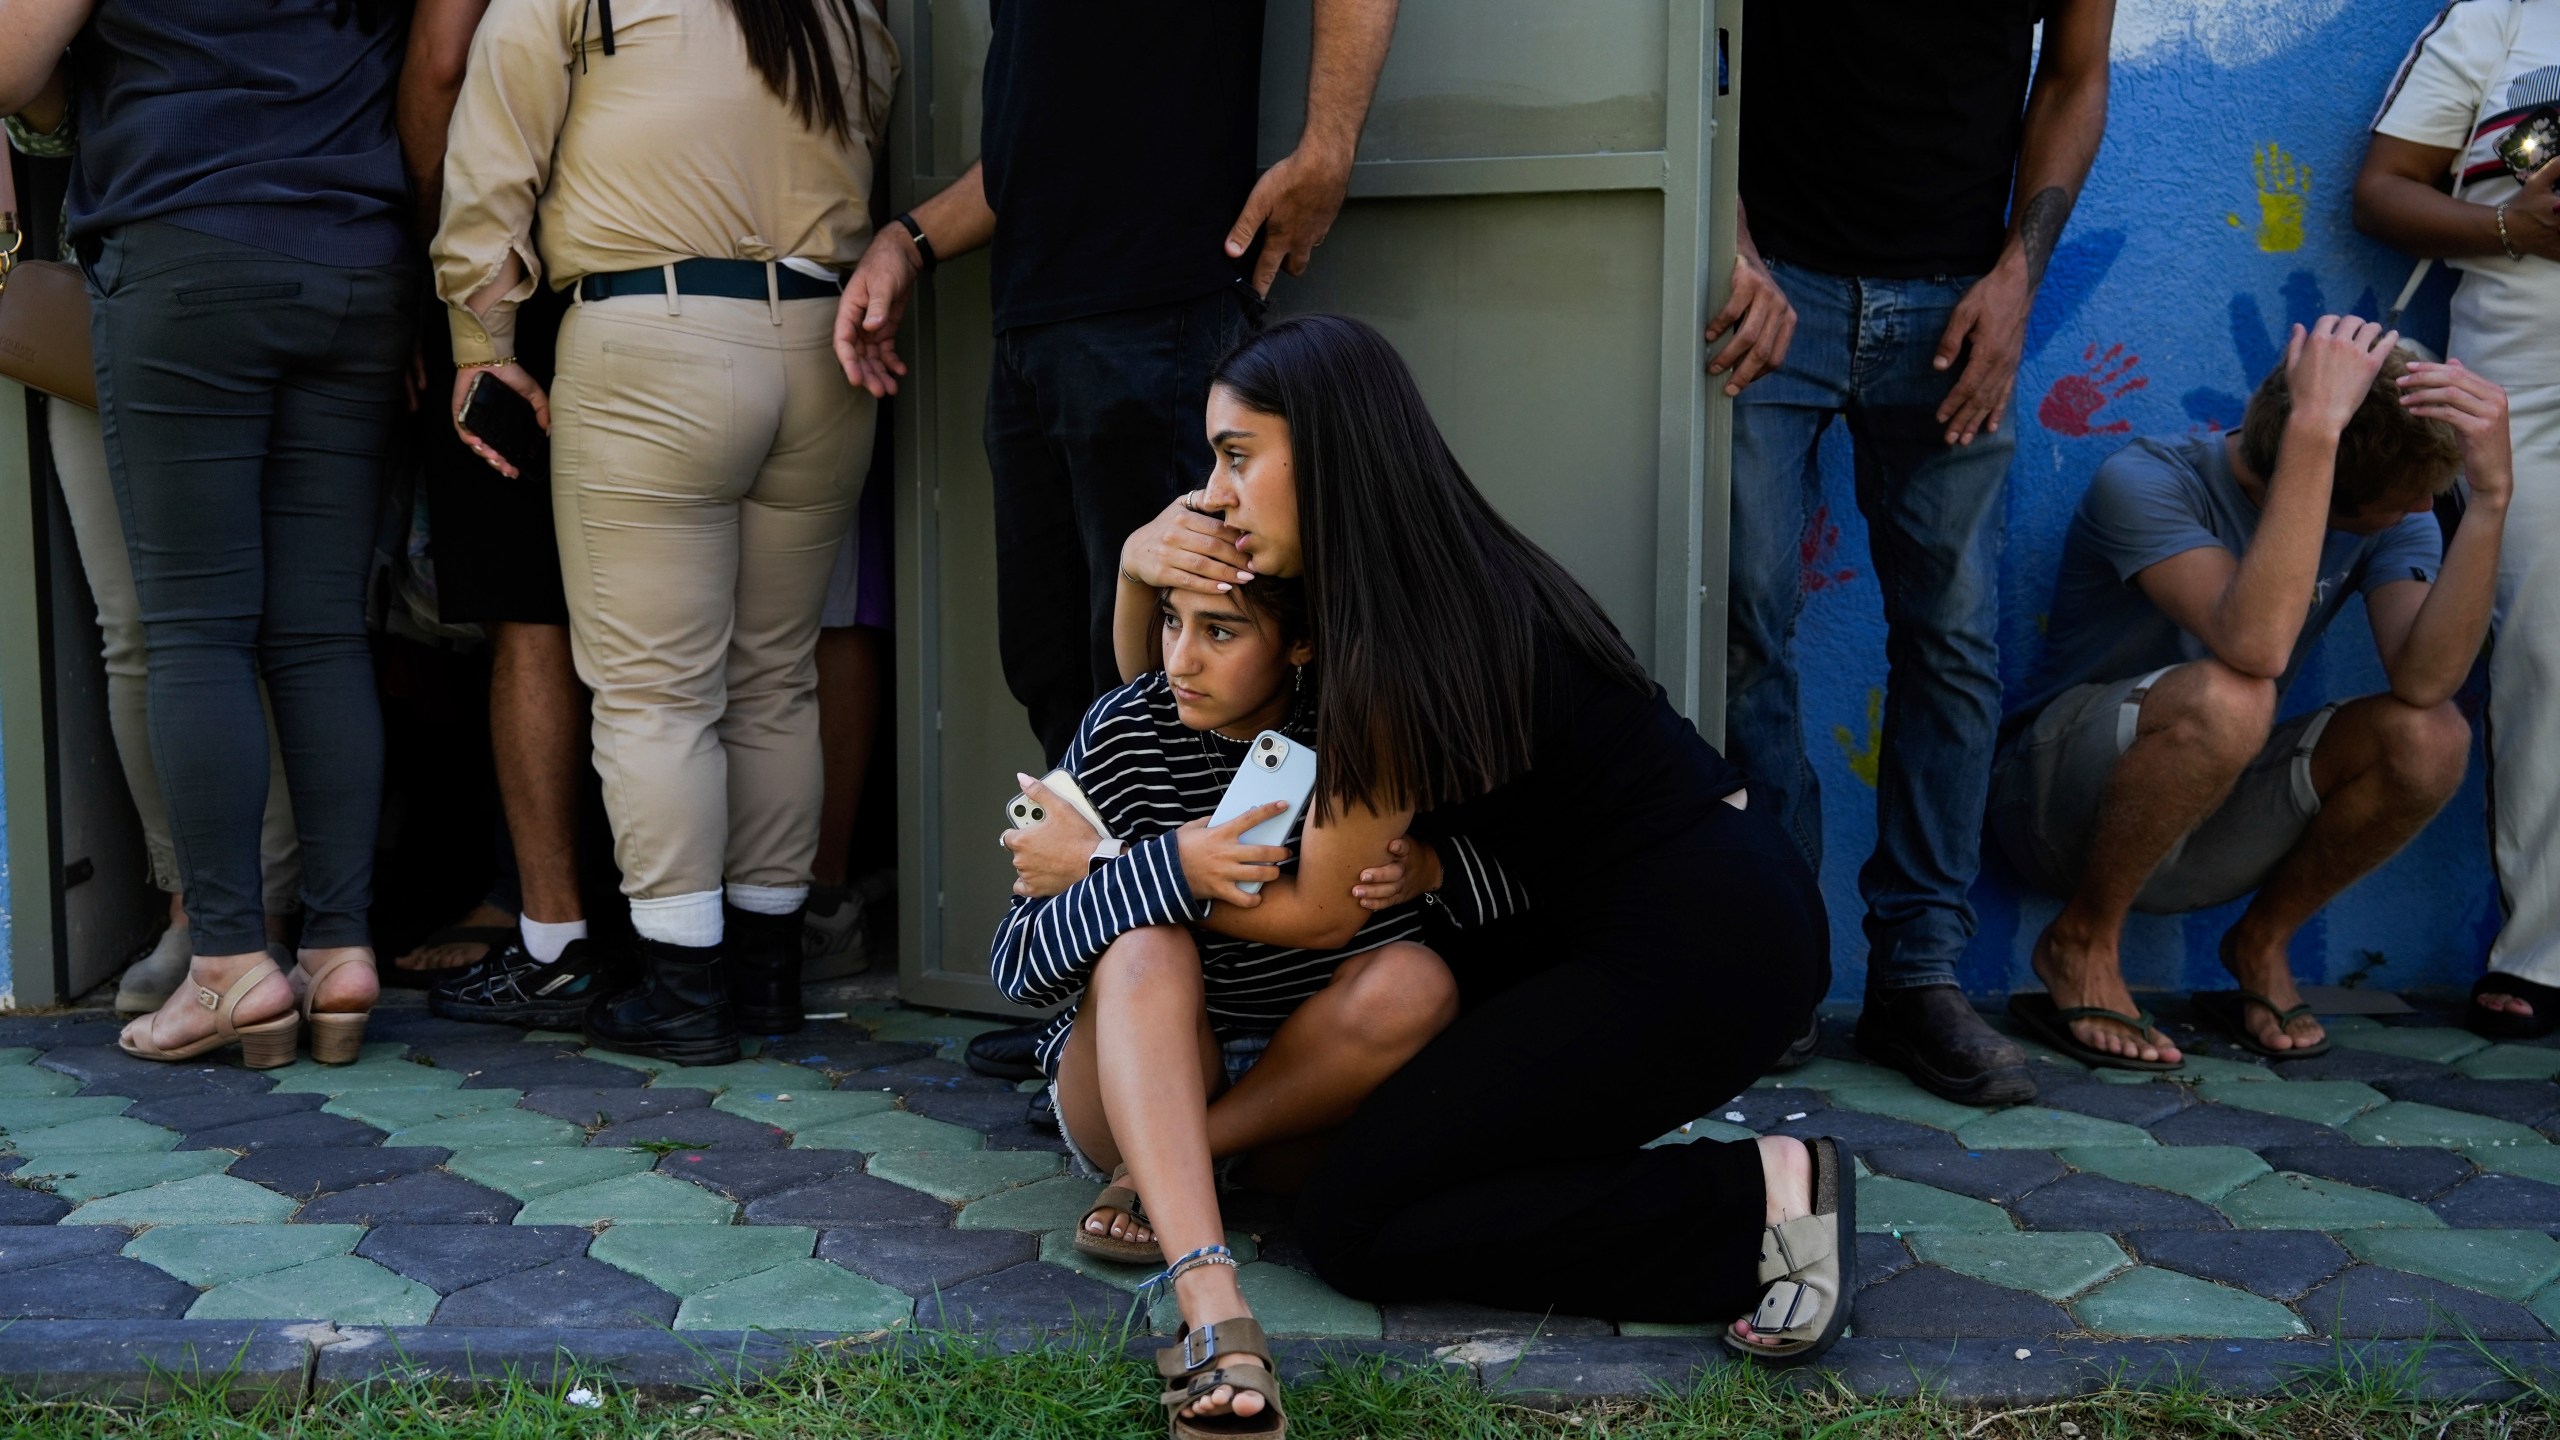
(2047, 786)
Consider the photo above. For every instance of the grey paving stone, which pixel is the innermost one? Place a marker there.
(1597, 1368)
(9, 1164)
(51, 1032)
(1862, 1132)
(2111, 1207)
(2526, 1102)
(308, 1174)
(2248, 1129)
(1450, 1320)
(135, 1362)
(504, 1050)
(1033, 1297)
(1925, 1300)
(925, 1076)
(446, 1258)
(744, 1175)
(2370, 1066)
(97, 1287)
(2279, 1264)
(25, 1247)
(304, 1131)
(573, 1293)
(2369, 1303)
(1998, 1176)
(696, 1129)
(612, 1105)
(199, 1111)
(111, 1071)
(22, 1206)
(565, 1072)
(2412, 1173)
(173, 1081)
(1880, 1257)
(424, 1032)
(919, 1260)
(996, 1115)
(2502, 1202)
(2143, 1105)
(657, 1366)
(433, 1198)
(836, 1053)
(851, 1201)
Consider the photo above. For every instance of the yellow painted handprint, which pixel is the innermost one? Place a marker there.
(2284, 187)
(1863, 759)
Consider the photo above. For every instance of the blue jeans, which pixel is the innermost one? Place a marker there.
(1935, 524)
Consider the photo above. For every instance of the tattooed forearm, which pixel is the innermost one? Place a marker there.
(2040, 224)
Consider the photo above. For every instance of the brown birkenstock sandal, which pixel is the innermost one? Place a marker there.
(1808, 1264)
(1110, 1247)
(1201, 1362)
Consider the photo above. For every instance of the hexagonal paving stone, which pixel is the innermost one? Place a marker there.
(1825, 1073)
(798, 1295)
(25, 1247)
(2291, 1201)
(693, 1130)
(943, 1031)
(1292, 1302)
(556, 1073)
(2032, 1127)
(1862, 1132)
(2404, 1122)
(304, 1131)
(567, 1294)
(1994, 1175)
(2194, 1068)
(2533, 1162)
(2201, 1172)
(1058, 1248)
(20, 1205)
(644, 1064)
(850, 1201)
(446, 1258)
(342, 1289)
(792, 1110)
(2056, 1265)
(198, 1200)
(1452, 1321)
(2322, 1102)
(2411, 1174)
(1029, 1297)
(2127, 1104)
(18, 1054)
(2440, 1045)
(2501, 1202)
(1891, 1206)
(369, 1073)
(307, 1174)
(600, 1106)
(1055, 1204)
(389, 1110)
(959, 1176)
(87, 1177)
(1903, 1102)
(110, 1071)
(2279, 1264)
(492, 1128)
(686, 1260)
(1000, 1116)
(2526, 1102)
(763, 1077)
(1926, 1301)
(889, 1130)
(428, 1199)
(96, 1287)
(923, 1076)
(190, 1113)
(24, 1080)
(528, 1171)
(2511, 1062)
(106, 1135)
(2372, 1303)
(218, 1254)
(919, 1261)
(2097, 1204)
(2510, 1264)
(648, 1199)
(744, 1175)
(494, 1051)
(2247, 1129)
(2149, 1302)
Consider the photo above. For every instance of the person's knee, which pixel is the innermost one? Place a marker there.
(2215, 712)
(1143, 960)
(1399, 996)
(2426, 751)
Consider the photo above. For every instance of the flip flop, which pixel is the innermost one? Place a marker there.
(2052, 1025)
(2229, 1010)
(2506, 1024)
(492, 936)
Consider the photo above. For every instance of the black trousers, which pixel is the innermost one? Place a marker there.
(1504, 1165)
(1093, 426)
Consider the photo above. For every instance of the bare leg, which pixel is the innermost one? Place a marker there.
(1786, 1170)
(848, 718)
(2200, 726)
(2383, 769)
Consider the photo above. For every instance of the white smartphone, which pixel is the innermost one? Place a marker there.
(1022, 812)
(1275, 768)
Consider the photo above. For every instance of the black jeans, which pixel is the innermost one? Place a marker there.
(1093, 426)
(1504, 1165)
(248, 400)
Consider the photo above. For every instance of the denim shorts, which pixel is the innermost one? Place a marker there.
(1239, 1055)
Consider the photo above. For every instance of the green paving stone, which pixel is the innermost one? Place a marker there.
(388, 1072)
(2510, 1264)
(197, 1200)
(87, 1177)
(2149, 1301)
(689, 1259)
(402, 1109)
(629, 1200)
(2205, 1172)
(1913, 1104)
(2533, 1162)
(1825, 1073)
(107, 1134)
(17, 1080)
(889, 1130)
(1703, 1129)
(798, 1295)
(1056, 1204)
(18, 1054)
(527, 1171)
(45, 1112)
(2192, 1070)
(2056, 1265)
(645, 1063)
(1058, 1247)
(1906, 1207)
(2546, 1308)
(2322, 1102)
(219, 1254)
(2341, 1024)
(554, 1037)
(2436, 1044)
(2511, 1062)
(756, 1077)
(492, 1127)
(2404, 1122)
(2030, 1127)
(803, 1109)
(2287, 1201)
(345, 1289)
(1664, 1330)
(959, 1176)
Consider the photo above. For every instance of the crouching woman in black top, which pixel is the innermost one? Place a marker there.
(1673, 943)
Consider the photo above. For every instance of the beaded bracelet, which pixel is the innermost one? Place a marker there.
(1205, 1255)
(485, 364)
(2503, 241)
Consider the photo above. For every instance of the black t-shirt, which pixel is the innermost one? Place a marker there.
(1118, 142)
(1879, 137)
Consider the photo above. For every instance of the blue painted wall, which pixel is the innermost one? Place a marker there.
(2217, 215)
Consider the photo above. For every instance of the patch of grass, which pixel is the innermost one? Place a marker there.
(664, 1148)
(939, 1389)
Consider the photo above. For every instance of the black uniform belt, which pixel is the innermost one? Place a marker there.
(729, 279)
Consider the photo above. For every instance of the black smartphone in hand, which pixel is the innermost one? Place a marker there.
(505, 422)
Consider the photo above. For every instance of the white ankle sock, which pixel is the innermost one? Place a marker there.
(690, 920)
(545, 941)
(768, 899)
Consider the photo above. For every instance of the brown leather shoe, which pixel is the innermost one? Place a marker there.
(1934, 1035)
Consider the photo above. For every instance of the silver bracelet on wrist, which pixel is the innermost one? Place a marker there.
(2504, 243)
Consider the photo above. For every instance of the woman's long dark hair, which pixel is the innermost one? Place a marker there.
(1425, 604)
(787, 42)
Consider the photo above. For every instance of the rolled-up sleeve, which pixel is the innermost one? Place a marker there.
(497, 162)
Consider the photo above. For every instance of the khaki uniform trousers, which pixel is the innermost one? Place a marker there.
(705, 465)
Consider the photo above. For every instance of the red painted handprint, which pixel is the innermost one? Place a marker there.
(2076, 399)
(1814, 550)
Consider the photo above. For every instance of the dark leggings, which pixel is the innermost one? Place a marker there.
(1504, 1164)
(247, 400)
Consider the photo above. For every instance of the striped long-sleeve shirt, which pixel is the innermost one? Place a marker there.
(1147, 774)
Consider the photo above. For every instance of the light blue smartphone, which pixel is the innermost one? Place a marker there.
(1275, 768)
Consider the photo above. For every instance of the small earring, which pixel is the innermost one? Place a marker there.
(1298, 679)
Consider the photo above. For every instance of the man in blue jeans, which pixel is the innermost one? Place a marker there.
(1904, 187)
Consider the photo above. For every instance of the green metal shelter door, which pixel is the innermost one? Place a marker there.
(1534, 221)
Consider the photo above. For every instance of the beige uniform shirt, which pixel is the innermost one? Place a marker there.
(668, 149)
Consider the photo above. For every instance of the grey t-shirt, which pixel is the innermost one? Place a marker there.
(2158, 498)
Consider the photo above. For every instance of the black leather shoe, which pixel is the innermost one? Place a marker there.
(679, 1011)
(1934, 1035)
(1008, 1054)
(1043, 1112)
(1803, 1049)
(764, 970)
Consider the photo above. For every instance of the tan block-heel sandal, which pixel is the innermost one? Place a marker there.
(1111, 1247)
(263, 1046)
(337, 1037)
(1806, 1263)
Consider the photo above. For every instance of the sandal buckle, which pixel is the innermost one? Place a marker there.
(208, 999)
(1208, 1334)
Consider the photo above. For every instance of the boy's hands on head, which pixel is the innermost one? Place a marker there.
(1215, 858)
(1054, 854)
(2330, 368)
(2476, 408)
(1411, 872)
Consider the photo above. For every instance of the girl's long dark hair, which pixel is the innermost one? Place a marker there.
(788, 44)
(1425, 604)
